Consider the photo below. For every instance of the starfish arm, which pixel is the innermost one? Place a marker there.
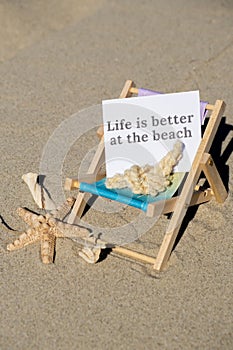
(62, 211)
(70, 231)
(31, 219)
(48, 241)
(26, 238)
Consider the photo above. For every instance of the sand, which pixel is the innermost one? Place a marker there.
(57, 59)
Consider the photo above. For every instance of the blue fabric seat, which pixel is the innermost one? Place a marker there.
(126, 196)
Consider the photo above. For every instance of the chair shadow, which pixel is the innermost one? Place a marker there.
(104, 254)
(220, 159)
(89, 204)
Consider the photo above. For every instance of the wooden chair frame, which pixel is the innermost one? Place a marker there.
(190, 195)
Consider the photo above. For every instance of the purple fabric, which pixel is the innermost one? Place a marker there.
(203, 104)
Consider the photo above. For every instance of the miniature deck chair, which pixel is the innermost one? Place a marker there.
(191, 193)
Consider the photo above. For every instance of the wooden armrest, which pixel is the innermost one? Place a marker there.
(72, 184)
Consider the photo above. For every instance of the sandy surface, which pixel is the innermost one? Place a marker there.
(56, 60)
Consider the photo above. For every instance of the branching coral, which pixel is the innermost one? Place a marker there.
(149, 179)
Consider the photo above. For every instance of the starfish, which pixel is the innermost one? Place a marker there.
(46, 228)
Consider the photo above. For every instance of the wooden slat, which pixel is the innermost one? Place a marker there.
(126, 89)
(82, 198)
(188, 188)
(100, 131)
(78, 207)
(134, 255)
(134, 90)
(98, 159)
(168, 206)
(210, 107)
(72, 184)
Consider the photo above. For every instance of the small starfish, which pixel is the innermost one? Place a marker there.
(46, 228)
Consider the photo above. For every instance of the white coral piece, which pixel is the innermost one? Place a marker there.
(149, 179)
(90, 254)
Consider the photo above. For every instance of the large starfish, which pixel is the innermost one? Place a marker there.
(46, 228)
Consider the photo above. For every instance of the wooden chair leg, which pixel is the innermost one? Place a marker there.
(78, 207)
(82, 198)
(96, 163)
(188, 188)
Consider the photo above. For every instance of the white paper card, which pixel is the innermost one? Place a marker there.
(141, 130)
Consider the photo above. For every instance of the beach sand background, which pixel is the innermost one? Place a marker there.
(58, 57)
